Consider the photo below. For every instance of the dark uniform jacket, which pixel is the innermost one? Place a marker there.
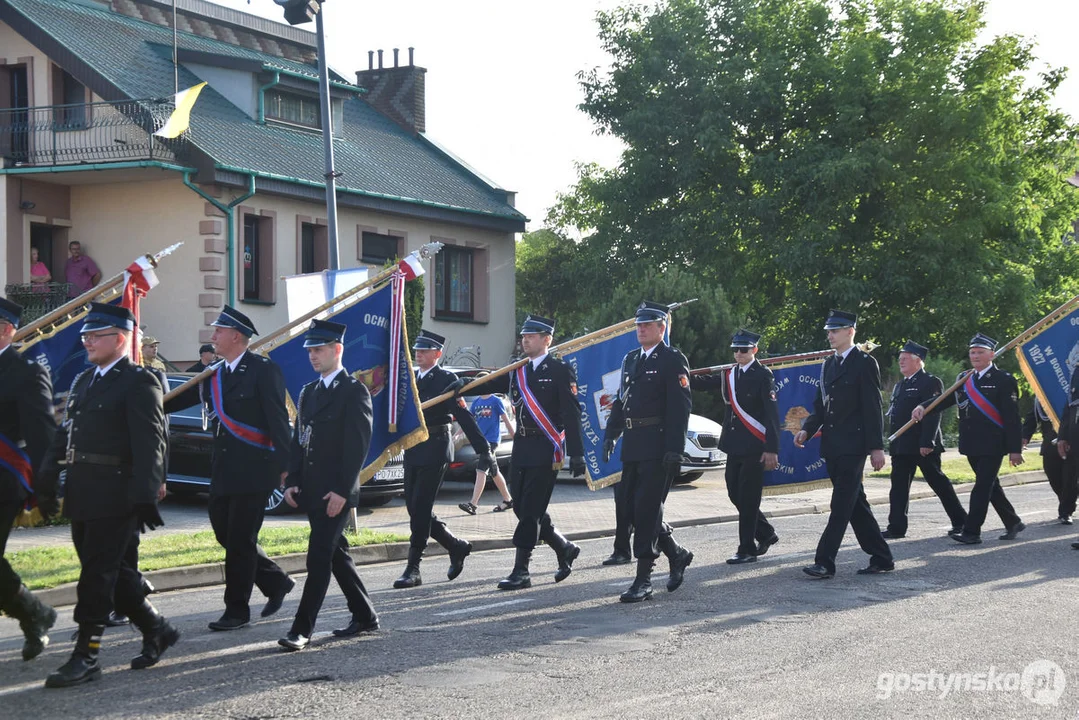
(1036, 419)
(1069, 414)
(847, 409)
(253, 394)
(978, 435)
(117, 421)
(907, 394)
(331, 439)
(655, 388)
(554, 385)
(26, 416)
(436, 449)
(755, 391)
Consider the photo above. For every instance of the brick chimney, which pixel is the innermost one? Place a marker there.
(398, 92)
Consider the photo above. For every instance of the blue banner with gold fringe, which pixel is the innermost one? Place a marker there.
(1048, 360)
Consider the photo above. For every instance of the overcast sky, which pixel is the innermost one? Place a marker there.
(502, 89)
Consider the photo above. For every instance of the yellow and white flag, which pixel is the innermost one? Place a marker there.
(181, 116)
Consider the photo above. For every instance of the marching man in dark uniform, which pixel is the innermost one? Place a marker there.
(251, 449)
(27, 427)
(750, 439)
(426, 463)
(1068, 434)
(989, 429)
(329, 444)
(919, 448)
(1063, 484)
(652, 409)
(113, 444)
(847, 412)
(544, 393)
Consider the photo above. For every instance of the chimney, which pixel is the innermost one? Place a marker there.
(397, 92)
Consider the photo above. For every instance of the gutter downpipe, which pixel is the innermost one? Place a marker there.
(230, 224)
(262, 95)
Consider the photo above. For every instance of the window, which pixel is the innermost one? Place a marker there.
(379, 249)
(454, 283)
(257, 257)
(314, 248)
(293, 108)
(252, 257)
(70, 94)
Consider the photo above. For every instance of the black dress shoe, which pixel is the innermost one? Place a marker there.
(618, 558)
(819, 571)
(889, 535)
(1065, 519)
(228, 623)
(294, 641)
(955, 531)
(1014, 530)
(678, 569)
(966, 538)
(457, 559)
(741, 559)
(115, 619)
(875, 569)
(638, 591)
(356, 627)
(565, 562)
(763, 545)
(277, 600)
(1075, 546)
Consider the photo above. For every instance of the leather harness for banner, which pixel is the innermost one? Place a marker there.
(754, 426)
(982, 402)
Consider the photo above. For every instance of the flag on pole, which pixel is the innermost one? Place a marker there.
(411, 266)
(1048, 359)
(139, 279)
(180, 119)
(368, 356)
(800, 469)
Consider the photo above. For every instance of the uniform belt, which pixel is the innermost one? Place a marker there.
(642, 422)
(433, 430)
(78, 457)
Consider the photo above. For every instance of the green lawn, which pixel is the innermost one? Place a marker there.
(51, 566)
(958, 469)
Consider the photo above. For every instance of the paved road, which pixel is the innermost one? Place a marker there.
(761, 640)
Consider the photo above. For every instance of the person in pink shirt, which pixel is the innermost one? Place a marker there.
(39, 273)
(81, 271)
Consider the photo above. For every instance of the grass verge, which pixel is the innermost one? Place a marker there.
(47, 567)
(958, 469)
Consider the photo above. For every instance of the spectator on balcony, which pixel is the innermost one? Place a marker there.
(81, 272)
(39, 273)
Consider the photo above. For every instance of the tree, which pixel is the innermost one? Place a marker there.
(861, 154)
(552, 275)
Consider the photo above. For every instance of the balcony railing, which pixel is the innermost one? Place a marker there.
(37, 299)
(86, 133)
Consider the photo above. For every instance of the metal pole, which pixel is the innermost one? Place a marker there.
(175, 64)
(327, 140)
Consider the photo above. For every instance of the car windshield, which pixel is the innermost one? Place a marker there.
(192, 413)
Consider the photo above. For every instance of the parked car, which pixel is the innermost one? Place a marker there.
(191, 452)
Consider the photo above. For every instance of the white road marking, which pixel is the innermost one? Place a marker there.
(481, 608)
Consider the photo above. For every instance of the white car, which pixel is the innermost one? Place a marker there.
(702, 448)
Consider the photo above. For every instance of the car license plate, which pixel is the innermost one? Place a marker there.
(393, 473)
(713, 455)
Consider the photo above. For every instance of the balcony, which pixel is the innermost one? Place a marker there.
(87, 133)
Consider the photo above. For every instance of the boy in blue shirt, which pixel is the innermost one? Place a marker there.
(488, 411)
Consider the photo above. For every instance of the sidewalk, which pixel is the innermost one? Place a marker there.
(578, 512)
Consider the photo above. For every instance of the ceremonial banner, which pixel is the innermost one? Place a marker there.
(799, 469)
(367, 357)
(599, 369)
(1048, 360)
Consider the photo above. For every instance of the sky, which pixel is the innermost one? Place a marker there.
(502, 85)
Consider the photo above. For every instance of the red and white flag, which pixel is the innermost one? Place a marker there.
(411, 266)
(139, 278)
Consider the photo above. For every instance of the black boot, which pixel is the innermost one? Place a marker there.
(158, 635)
(35, 618)
(641, 589)
(567, 552)
(411, 576)
(457, 548)
(82, 666)
(679, 558)
(519, 578)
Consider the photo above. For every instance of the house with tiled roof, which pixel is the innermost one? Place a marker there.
(85, 83)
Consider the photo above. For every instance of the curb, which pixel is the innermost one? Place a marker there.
(193, 576)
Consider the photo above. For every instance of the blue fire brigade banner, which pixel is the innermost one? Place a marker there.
(799, 468)
(367, 358)
(1048, 360)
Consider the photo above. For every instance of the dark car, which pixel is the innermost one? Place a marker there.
(191, 451)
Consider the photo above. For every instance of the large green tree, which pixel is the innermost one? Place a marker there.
(863, 154)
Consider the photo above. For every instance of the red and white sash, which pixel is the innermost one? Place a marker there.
(755, 427)
(544, 422)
